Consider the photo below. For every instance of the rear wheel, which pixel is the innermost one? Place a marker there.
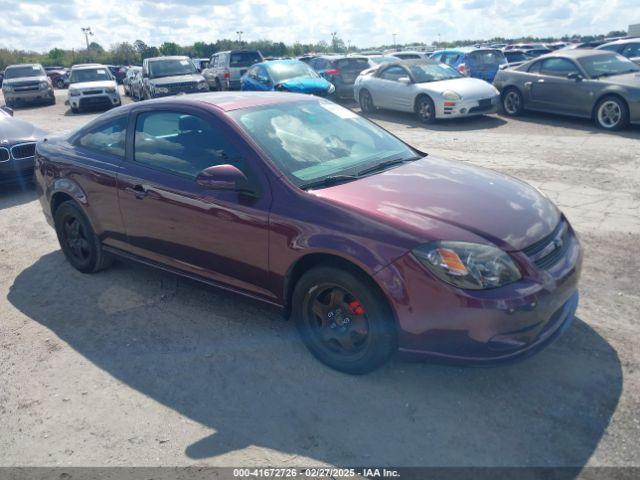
(512, 102)
(611, 113)
(425, 109)
(342, 320)
(79, 243)
(366, 102)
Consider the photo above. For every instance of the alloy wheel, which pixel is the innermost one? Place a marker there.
(512, 103)
(609, 114)
(425, 110)
(366, 102)
(76, 240)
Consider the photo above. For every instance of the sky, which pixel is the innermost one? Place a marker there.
(43, 24)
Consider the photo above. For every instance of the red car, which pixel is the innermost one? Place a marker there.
(370, 245)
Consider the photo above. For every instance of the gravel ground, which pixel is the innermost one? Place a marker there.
(136, 367)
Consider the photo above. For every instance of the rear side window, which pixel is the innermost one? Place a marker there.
(535, 67)
(106, 138)
(244, 59)
(558, 67)
(180, 143)
(487, 57)
(357, 64)
(632, 50)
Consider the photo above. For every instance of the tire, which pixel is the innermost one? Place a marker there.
(59, 83)
(218, 86)
(425, 109)
(75, 110)
(78, 242)
(366, 102)
(611, 113)
(343, 320)
(512, 102)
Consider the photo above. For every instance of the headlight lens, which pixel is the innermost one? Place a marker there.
(73, 92)
(451, 95)
(44, 84)
(203, 86)
(469, 265)
(110, 90)
(332, 88)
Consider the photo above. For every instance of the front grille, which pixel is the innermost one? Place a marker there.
(547, 252)
(92, 92)
(26, 86)
(90, 102)
(24, 150)
(4, 154)
(182, 87)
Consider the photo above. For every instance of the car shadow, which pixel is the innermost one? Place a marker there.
(576, 123)
(237, 367)
(480, 122)
(14, 194)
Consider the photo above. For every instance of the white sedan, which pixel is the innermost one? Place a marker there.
(431, 89)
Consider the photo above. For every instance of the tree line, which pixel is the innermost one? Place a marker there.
(126, 53)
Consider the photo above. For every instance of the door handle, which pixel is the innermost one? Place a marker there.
(527, 84)
(138, 191)
(541, 80)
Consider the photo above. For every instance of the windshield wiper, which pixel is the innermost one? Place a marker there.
(327, 181)
(386, 164)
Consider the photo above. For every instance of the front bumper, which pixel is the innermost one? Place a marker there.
(15, 171)
(437, 320)
(466, 108)
(30, 96)
(102, 100)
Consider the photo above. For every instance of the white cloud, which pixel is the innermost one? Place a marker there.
(41, 24)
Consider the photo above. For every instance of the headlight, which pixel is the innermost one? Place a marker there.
(203, 86)
(332, 88)
(468, 265)
(451, 95)
(110, 90)
(44, 84)
(161, 90)
(73, 92)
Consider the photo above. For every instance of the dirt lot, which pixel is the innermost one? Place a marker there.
(136, 367)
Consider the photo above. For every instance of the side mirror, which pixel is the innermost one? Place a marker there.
(221, 177)
(405, 80)
(574, 76)
(9, 110)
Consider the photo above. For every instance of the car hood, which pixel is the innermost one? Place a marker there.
(13, 131)
(627, 80)
(196, 77)
(306, 85)
(93, 85)
(11, 81)
(468, 88)
(418, 197)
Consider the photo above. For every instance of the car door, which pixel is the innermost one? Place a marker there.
(553, 91)
(392, 93)
(209, 72)
(170, 219)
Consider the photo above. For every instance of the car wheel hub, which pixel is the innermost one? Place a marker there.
(512, 102)
(609, 114)
(425, 110)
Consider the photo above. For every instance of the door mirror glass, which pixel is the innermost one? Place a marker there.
(7, 109)
(405, 80)
(221, 177)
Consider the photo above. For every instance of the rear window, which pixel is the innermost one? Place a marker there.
(488, 57)
(358, 64)
(244, 59)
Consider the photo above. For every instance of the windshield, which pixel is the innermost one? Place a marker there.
(170, 67)
(516, 57)
(26, 71)
(606, 65)
(433, 72)
(312, 140)
(244, 59)
(487, 57)
(90, 75)
(281, 72)
(352, 64)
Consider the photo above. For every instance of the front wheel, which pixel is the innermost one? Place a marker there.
(343, 320)
(79, 243)
(426, 110)
(612, 113)
(512, 102)
(366, 102)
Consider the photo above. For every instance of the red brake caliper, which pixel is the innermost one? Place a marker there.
(356, 308)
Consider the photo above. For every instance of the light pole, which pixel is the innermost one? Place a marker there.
(394, 41)
(87, 31)
(239, 32)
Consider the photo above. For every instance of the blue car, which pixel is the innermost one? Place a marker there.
(286, 76)
(473, 62)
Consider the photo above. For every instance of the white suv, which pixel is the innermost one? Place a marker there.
(92, 86)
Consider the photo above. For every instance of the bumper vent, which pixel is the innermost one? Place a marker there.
(4, 154)
(547, 252)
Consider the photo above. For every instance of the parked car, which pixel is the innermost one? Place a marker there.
(536, 52)
(17, 148)
(27, 83)
(59, 76)
(341, 71)
(376, 60)
(523, 46)
(515, 58)
(128, 77)
(226, 68)
(429, 88)
(285, 76)
(629, 47)
(200, 63)
(118, 72)
(162, 76)
(136, 86)
(92, 86)
(410, 55)
(594, 84)
(367, 243)
(473, 62)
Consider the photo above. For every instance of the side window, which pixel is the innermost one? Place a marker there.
(449, 58)
(437, 56)
(263, 76)
(394, 73)
(535, 67)
(612, 48)
(181, 143)
(106, 138)
(632, 50)
(558, 67)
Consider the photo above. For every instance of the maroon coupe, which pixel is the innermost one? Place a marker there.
(370, 245)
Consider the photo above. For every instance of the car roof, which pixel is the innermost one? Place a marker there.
(83, 66)
(622, 41)
(168, 57)
(578, 53)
